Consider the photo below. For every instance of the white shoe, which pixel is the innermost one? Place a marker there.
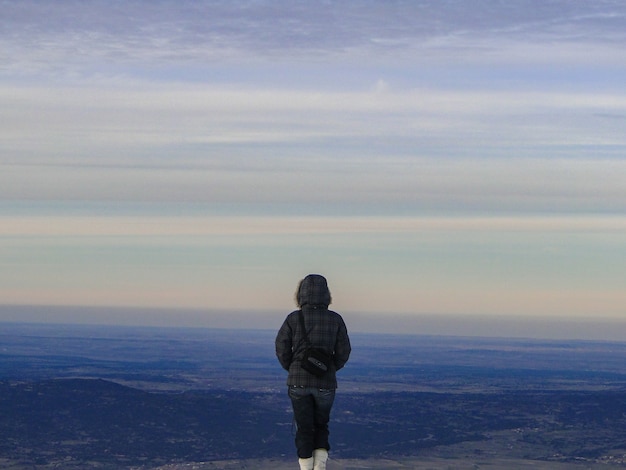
(320, 456)
(306, 464)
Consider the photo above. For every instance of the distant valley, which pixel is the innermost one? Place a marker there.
(144, 398)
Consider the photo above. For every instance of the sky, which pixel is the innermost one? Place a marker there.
(428, 157)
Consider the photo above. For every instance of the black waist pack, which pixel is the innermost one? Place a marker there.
(316, 361)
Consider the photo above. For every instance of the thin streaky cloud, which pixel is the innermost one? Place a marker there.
(113, 226)
(69, 119)
(83, 34)
(414, 184)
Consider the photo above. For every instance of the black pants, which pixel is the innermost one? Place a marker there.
(311, 410)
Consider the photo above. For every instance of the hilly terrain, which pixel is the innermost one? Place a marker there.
(125, 398)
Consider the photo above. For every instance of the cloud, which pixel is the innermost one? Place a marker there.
(69, 38)
(341, 186)
(96, 119)
(413, 149)
(195, 226)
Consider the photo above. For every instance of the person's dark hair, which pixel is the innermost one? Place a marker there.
(313, 290)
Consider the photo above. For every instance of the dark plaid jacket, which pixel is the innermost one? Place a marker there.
(326, 330)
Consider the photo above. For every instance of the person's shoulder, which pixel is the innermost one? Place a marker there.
(335, 315)
(293, 314)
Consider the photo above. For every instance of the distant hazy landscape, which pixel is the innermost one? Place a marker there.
(86, 396)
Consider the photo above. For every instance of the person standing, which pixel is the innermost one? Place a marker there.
(312, 395)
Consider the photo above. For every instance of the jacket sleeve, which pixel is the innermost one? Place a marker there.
(284, 346)
(342, 346)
